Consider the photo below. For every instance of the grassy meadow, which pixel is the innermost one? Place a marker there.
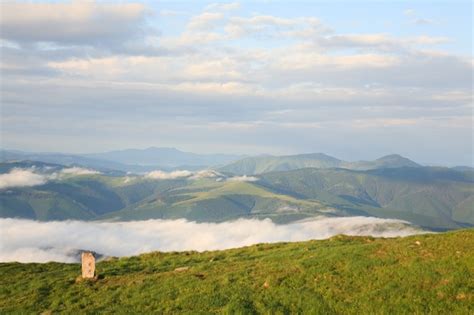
(431, 273)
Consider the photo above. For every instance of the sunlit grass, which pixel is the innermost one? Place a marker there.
(431, 273)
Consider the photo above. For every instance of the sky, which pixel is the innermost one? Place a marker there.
(356, 80)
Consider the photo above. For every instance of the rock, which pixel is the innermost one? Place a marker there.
(181, 269)
(88, 265)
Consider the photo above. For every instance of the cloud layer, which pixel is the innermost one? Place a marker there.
(78, 171)
(244, 178)
(77, 22)
(33, 241)
(168, 175)
(231, 77)
(186, 174)
(28, 177)
(21, 178)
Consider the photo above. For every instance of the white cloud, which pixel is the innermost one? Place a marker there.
(78, 171)
(21, 178)
(383, 42)
(205, 21)
(206, 174)
(222, 6)
(273, 26)
(74, 22)
(108, 67)
(410, 13)
(243, 178)
(168, 175)
(18, 177)
(227, 67)
(427, 40)
(32, 241)
(183, 174)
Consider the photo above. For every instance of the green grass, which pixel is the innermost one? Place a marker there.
(422, 274)
(245, 188)
(206, 200)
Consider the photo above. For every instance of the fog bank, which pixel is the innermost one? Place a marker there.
(33, 241)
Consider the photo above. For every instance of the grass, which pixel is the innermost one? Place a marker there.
(422, 274)
(245, 188)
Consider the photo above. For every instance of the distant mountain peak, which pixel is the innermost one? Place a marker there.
(160, 149)
(396, 160)
(391, 157)
(318, 156)
(265, 164)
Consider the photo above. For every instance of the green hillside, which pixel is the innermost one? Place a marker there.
(388, 161)
(207, 200)
(265, 164)
(423, 274)
(431, 197)
(82, 197)
(434, 198)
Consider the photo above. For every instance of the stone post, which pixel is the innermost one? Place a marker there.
(88, 265)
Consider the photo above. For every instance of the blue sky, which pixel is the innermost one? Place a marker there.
(357, 80)
(452, 19)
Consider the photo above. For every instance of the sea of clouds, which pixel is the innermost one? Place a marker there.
(33, 241)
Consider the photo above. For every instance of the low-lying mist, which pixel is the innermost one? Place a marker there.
(33, 241)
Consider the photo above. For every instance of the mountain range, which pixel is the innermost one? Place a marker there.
(432, 197)
(130, 160)
(145, 160)
(164, 157)
(265, 164)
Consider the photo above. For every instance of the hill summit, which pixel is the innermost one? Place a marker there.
(265, 164)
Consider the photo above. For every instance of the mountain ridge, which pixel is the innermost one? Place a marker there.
(156, 158)
(431, 197)
(100, 163)
(265, 164)
(164, 156)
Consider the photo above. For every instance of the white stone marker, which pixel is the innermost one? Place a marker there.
(88, 265)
